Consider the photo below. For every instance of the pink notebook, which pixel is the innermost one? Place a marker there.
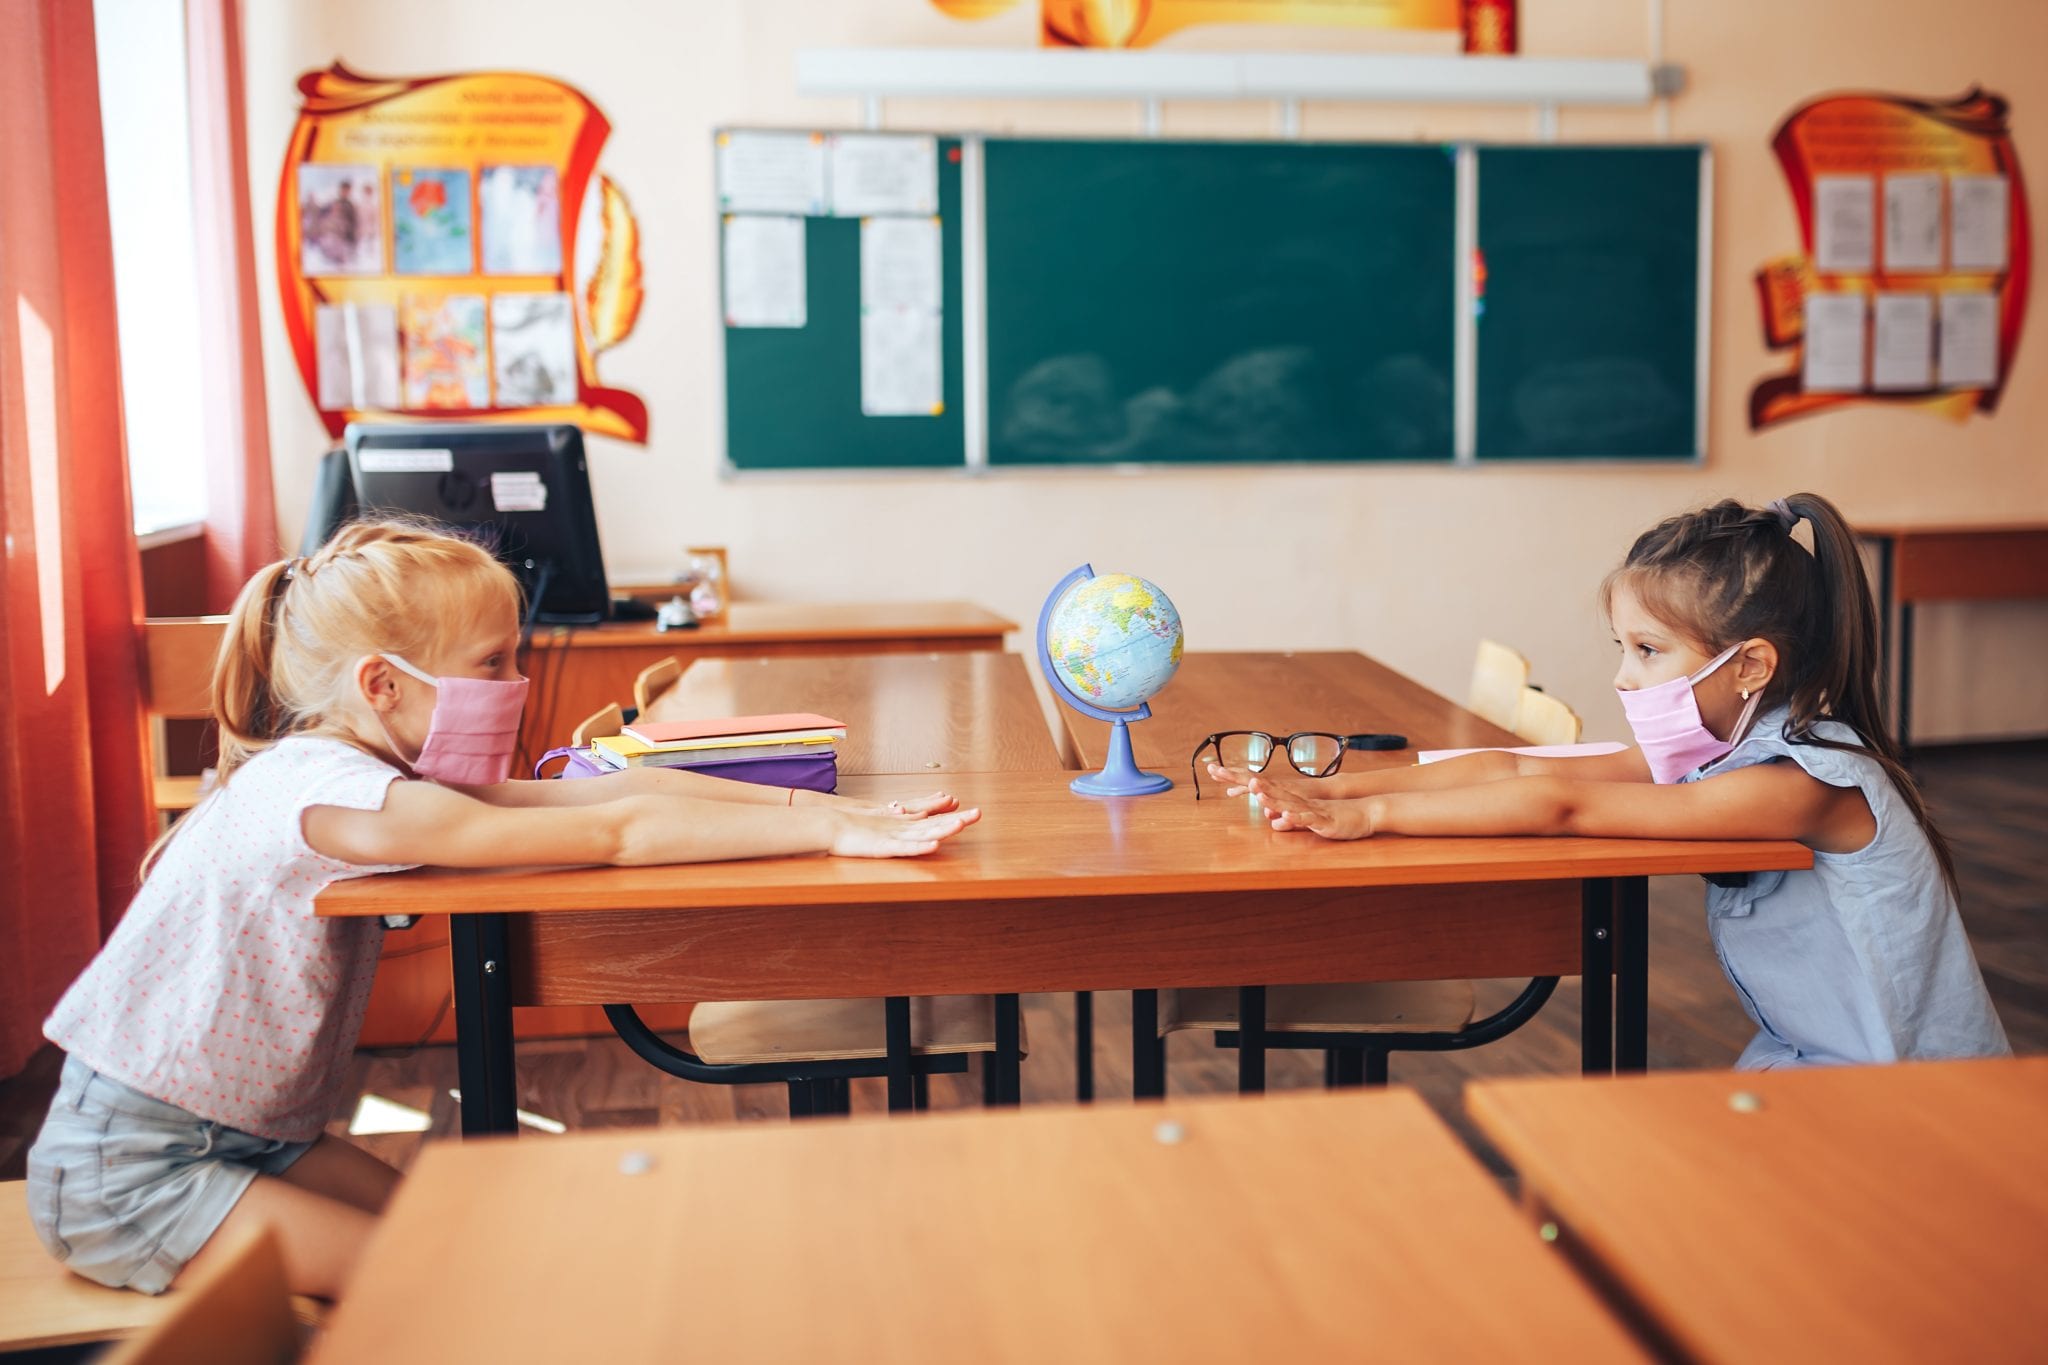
(1534, 751)
(794, 725)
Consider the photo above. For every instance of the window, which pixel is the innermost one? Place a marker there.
(146, 122)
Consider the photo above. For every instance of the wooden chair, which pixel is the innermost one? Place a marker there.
(654, 680)
(1499, 675)
(178, 655)
(813, 1046)
(239, 1314)
(1543, 719)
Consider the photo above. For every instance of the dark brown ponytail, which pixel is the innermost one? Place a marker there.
(1728, 572)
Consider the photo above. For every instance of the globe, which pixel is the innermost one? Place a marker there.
(1108, 643)
(1115, 639)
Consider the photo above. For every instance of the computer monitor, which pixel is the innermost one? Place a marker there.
(521, 491)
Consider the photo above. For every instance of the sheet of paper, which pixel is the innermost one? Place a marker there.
(1912, 223)
(356, 350)
(901, 368)
(764, 271)
(518, 491)
(1979, 222)
(1834, 343)
(1844, 223)
(875, 173)
(1969, 341)
(899, 263)
(771, 172)
(1902, 342)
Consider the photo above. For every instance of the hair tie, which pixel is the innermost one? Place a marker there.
(1787, 518)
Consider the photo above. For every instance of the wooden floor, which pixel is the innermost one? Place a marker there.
(1992, 800)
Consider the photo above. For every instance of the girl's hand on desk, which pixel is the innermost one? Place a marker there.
(888, 835)
(908, 808)
(1291, 808)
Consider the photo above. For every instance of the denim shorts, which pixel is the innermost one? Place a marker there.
(125, 1189)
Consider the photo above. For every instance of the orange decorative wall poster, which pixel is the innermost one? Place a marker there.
(1488, 26)
(1913, 285)
(447, 248)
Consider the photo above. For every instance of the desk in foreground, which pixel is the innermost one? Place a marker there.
(1346, 1227)
(1851, 1213)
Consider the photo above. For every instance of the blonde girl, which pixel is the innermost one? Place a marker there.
(1749, 677)
(368, 703)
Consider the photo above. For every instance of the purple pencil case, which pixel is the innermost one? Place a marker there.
(812, 772)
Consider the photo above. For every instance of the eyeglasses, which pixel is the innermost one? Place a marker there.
(1312, 753)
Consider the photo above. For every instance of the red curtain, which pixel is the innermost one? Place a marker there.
(241, 508)
(74, 776)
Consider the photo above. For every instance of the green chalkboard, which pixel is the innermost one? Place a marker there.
(1208, 302)
(792, 394)
(1588, 328)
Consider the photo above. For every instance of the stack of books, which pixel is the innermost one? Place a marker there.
(797, 750)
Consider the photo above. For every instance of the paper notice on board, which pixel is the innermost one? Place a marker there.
(1969, 341)
(1844, 223)
(1902, 342)
(771, 172)
(901, 374)
(899, 263)
(1834, 343)
(1979, 222)
(876, 173)
(764, 271)
(356, 355)
(1912, 222)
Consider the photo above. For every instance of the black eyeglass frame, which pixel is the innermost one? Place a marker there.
(1285, 743)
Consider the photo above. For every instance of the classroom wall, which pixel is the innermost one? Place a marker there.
(1409, 564)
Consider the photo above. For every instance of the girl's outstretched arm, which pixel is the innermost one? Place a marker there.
(422, 822)
(1768, 801)
(1471, 770)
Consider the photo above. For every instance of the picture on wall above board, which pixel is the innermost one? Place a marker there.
(447, 245)
(1484, 26)
(1913, 285)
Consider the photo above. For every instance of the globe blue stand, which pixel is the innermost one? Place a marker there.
(1120, 775)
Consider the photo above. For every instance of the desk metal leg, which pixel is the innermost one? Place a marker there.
(1905, 732)
(1006, 1059)
(1884, 616)
(1251, 1040)
(1148, 1049)
(1084, 1046)
(1596, 956)
(1632, 975)
(483, 1023)
(896, 1036)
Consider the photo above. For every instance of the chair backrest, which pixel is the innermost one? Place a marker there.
(1543, 719)
(1498, 676)
(178, 654)
(238, 1314)
(655, 679)
(609, 721)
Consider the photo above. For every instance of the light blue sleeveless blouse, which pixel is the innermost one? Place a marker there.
(1861, 959)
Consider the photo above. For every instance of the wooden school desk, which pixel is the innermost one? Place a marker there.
(1839, 1213)
(1051, 1235)
(577, 672)
(1050, 892)
(905, 713)
(1341, 692)
(1945, 564)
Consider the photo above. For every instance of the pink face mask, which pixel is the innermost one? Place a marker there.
(1667, 725)
(474, 729)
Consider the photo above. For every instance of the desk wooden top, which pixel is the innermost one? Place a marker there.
(1323, 1227)
(846, 624)
(1867, 1213)
(1038, 839)
(1338, 692)
(962, 712)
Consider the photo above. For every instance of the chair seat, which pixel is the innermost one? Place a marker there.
(1370, 1007)
(177, 793)
(43, 1304)
(731, 1032)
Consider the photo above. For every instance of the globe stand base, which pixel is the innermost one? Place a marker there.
(1120, 775)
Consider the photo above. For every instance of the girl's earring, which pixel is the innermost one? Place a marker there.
(1745, 694)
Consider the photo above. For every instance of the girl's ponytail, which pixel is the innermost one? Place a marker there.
(245, 704)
